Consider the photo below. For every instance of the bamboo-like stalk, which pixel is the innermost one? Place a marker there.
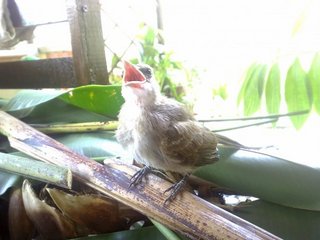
(187, 214)
(76, 127)
(36, 170)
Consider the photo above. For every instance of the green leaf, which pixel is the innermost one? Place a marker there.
(8, 180)
(246, 80)
(149, 37)
(314, 76)
(115, 60)
(137, 234)
(63, 113)
(150, 52)
(268, 178)
(97, 144)
(296, 93)
(22, 104)
(168, 233)
(273, 95)
(177, 65)
(285, 222)
(37, 105)
(253, 90)
(3, 102)
(102, 99)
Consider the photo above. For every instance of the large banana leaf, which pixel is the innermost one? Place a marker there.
(285, 222)
(93, 145)
(269, 178)
(25, 101)
(103, 100)
(62, 113)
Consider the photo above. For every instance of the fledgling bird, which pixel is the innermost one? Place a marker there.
(160, 132)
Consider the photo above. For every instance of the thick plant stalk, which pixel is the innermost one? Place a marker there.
(187, 214)
(76, 127)
(36, 170)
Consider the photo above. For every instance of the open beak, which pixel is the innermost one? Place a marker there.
(132, 76)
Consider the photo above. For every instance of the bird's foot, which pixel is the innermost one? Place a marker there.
(139, 175)
(175, 189)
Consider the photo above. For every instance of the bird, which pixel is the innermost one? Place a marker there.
(159, 132)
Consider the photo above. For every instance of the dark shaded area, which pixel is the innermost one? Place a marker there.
(48, 73)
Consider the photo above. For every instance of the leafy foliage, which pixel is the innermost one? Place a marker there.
(26, 100)
(301, 89)
(252, 89)
(273, 90)
(95, 99)
(154, 54)
(161, 60)
(296, 92)
(104, 100)
(221, 91)
(314, 76)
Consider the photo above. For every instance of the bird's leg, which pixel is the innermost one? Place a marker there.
(176, 188)
(139, 175)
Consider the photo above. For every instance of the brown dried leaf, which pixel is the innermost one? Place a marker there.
(49, 222)
(97, 213)
(20, 226)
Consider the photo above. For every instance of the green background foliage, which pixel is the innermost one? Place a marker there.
(301, 89)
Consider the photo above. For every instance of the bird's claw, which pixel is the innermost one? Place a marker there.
(139, 175)
(175, 189)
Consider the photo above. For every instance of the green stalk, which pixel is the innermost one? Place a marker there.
(36, 170)
(76, 127)
(244, 126)
(256, 118)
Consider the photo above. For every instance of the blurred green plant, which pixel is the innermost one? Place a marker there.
(295, 86)
(160, 59)
(301, 89)
(221, 91)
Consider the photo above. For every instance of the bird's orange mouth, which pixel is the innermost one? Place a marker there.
(132, 76)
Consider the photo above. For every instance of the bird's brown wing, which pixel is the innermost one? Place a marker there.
(188, 144)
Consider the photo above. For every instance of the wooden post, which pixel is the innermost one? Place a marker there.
(87, 42)
(159, 20)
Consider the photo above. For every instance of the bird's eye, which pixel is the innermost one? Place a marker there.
(148, 71)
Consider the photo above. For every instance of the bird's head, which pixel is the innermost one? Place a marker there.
(139, 84)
